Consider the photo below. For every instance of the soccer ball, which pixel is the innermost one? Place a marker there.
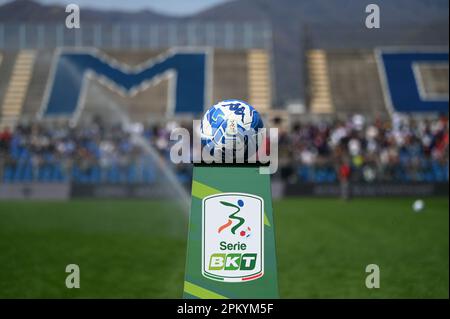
(233, 127)
(418, 205)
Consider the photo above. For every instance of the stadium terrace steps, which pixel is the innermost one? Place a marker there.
(6, 67)
(17, 87)
(259, 79)
(38, 83)
(230, 78)
(355, 84)
(320, 95)
(243, 74)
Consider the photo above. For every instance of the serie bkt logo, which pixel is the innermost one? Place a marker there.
(233, 237)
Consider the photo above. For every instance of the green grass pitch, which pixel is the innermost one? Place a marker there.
(136, 249)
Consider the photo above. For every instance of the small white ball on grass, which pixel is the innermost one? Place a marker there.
(418, 205)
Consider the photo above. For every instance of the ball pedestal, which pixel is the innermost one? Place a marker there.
(231, 244)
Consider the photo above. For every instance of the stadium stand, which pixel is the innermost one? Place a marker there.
(345, 82)
(433, 80)
(47, 150)
(405, 151)
(231, 71)
(402, 150)
(36, 90)
(319, 83)
(379, 82)
(94, 154)
(17, 88)
(244, 74)
(145, 105)
(376, 145)
(355, 83)
(405, 84)
(259, 79)
(6, 67)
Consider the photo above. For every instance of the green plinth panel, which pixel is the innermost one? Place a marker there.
(230, 196)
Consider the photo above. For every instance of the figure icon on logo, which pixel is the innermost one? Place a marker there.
(233, 237)
(240, 221)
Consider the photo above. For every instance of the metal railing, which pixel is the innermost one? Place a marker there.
(126, 36)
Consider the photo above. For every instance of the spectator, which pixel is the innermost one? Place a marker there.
(402, 150)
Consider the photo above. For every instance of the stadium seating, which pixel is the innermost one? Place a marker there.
(377, 82)
(6, 66)
(341, 82)
(37, 87)
(345, 82)
(23, 170)
(319, 83)
(243, 74)
(416, 81)
(17, 88)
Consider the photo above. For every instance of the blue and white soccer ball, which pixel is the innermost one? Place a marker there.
(231, 125)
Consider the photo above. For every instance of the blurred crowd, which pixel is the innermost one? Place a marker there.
(92, 153)
(401, 149)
